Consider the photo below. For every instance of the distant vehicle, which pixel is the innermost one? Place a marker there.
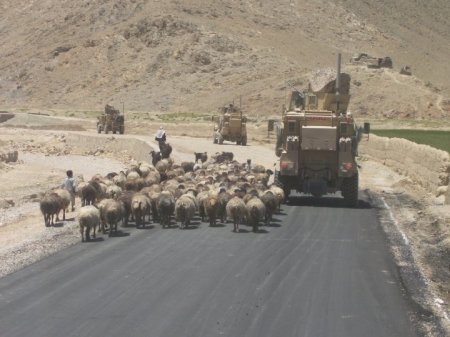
(317, 141)
(111, 120)
(230, 125)
(370, 61)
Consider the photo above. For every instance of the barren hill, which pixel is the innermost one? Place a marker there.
(194, 55)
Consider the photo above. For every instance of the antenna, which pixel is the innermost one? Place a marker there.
(338, 81)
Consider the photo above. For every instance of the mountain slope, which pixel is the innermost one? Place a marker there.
(194, 55)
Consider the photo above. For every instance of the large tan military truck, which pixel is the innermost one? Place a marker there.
(317, 139)
(111, 120)
(230, 125)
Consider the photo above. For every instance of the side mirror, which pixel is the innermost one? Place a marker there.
(367, 128)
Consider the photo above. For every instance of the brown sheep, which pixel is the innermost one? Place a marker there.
(270, 201)
(255, 212)
(211, 205)
(50, 205)
(166, 207)
(111, 213)
(140, 207)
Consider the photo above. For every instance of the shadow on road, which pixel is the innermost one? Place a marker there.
(98, 239)
(119, 234)
(334, 202)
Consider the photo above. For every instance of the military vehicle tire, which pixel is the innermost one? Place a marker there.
(349, 190)
(244, 141)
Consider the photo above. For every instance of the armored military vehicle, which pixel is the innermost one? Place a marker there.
(230, 125)
(317, 139)
(111, 120)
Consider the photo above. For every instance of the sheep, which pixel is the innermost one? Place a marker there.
(152, 178)
(223, 198)
(187, 166)
(111, 175)
(162, 166)
(50, 205)
(88, 218)
(65, 199)
(145, 169)
(133, 168)
(125, 198)
(140, 207)
(166, 207)
(222, 157)
(185, 210)
(120, 179)
(236, 211)
(279, 193)
(154, 198)
(166, 150)
(255, 212)
(113, 192)
(133, 175)
(156, 157)
(200, 156)
(135, 184)
(211, 205)
(111, 212)
(270, 201)
(201, 197)
(90, 193)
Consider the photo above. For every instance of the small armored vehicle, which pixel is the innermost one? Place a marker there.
(317, 139)
(230, 125)
(111, 120)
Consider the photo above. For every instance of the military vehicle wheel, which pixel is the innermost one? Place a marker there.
(277, 182)
(349, 190)
(244, 141)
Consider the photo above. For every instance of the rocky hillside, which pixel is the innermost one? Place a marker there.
(194, 55)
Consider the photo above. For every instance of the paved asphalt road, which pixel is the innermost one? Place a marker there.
(320, 270)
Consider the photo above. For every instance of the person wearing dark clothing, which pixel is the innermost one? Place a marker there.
(160, 137)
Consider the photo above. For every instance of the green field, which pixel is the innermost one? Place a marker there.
(437, 139)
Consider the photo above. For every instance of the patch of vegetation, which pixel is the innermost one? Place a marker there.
(437, 139)
(183, 116)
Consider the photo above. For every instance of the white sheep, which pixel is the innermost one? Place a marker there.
(140, 207)
(88, 219)
(65, 199)
(256, 211)
(185, 210)
(236, 211)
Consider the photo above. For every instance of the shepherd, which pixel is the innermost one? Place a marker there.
(160, 137)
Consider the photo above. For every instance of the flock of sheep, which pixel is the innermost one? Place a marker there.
(218, 190)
